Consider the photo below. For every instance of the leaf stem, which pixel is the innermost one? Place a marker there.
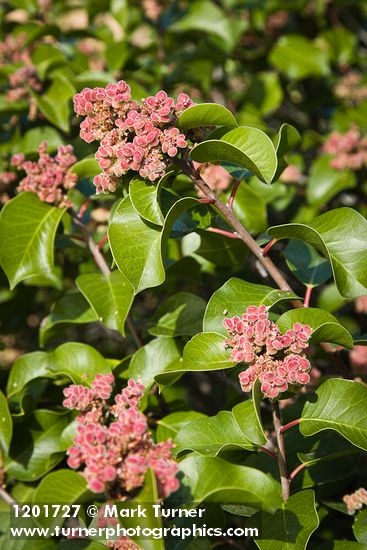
(289, 425)
(268, 452)
(268, 246)
(233, 193)
(306, 301)
(223, 232)
(282, 465)
(296, 470)
(102, 242)
(103, 267)
(240, 230)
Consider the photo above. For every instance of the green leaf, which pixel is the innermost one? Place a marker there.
(205, 351)
(6, 425)
(325, 182)
(245, 146)
(71, 309)
(54, 104)
(360, 527)
(79, 362)
(110, 297)
(159, 355)
(216, 480)
(26, 368)
(148, 494)
(86, 168)
(341, 236)
(33, 137)
(206, 114)
(299, 58)
(144, 197)
(179, 315)
(286, 140)
(326, 327)
(64, 486)
(28, 251)
(341, 43)
(35, 448)
(306, 264)
(337, 405)
(233, 298)
(170, 425)
(226, 430)
(290, 527)
(205, 16)
(137, 245)
(250, 209)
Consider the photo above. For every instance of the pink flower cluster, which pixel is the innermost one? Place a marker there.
(349, 149)
(14, 51)
(50, 177)
(351, 88)
(356, 500)
(214, 175)
(113, 442)
(142, 138)
(275, 359)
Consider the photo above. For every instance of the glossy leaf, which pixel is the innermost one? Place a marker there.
(290, 527)
(110, 297)
(233, 298)
(158, 356)
(337, 405)
(360, 526)
(6, 425)
(250, 209)
(306, 264)
(86, 168)
(170, 425)
(179, 315)
(36, 445)
(137, 245)
(72, 309)
(341, 236)
(144, 198)
(63, 486)
(146, 497)
(204, 352)
(209, 436)
(26, 368)
(28, 251)
(326, 327)
(54, 104)
(286, 140)
(246, 146)
(206, 114)
(217, 480)
(79, 362)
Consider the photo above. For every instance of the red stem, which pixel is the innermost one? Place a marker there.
(233, 193)
(306, 301)
(267, 247)
(206, 201)
(268, 452)
(289, 425)
(223, 232)
(296, 470)
(83, 208)
(102, 241)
